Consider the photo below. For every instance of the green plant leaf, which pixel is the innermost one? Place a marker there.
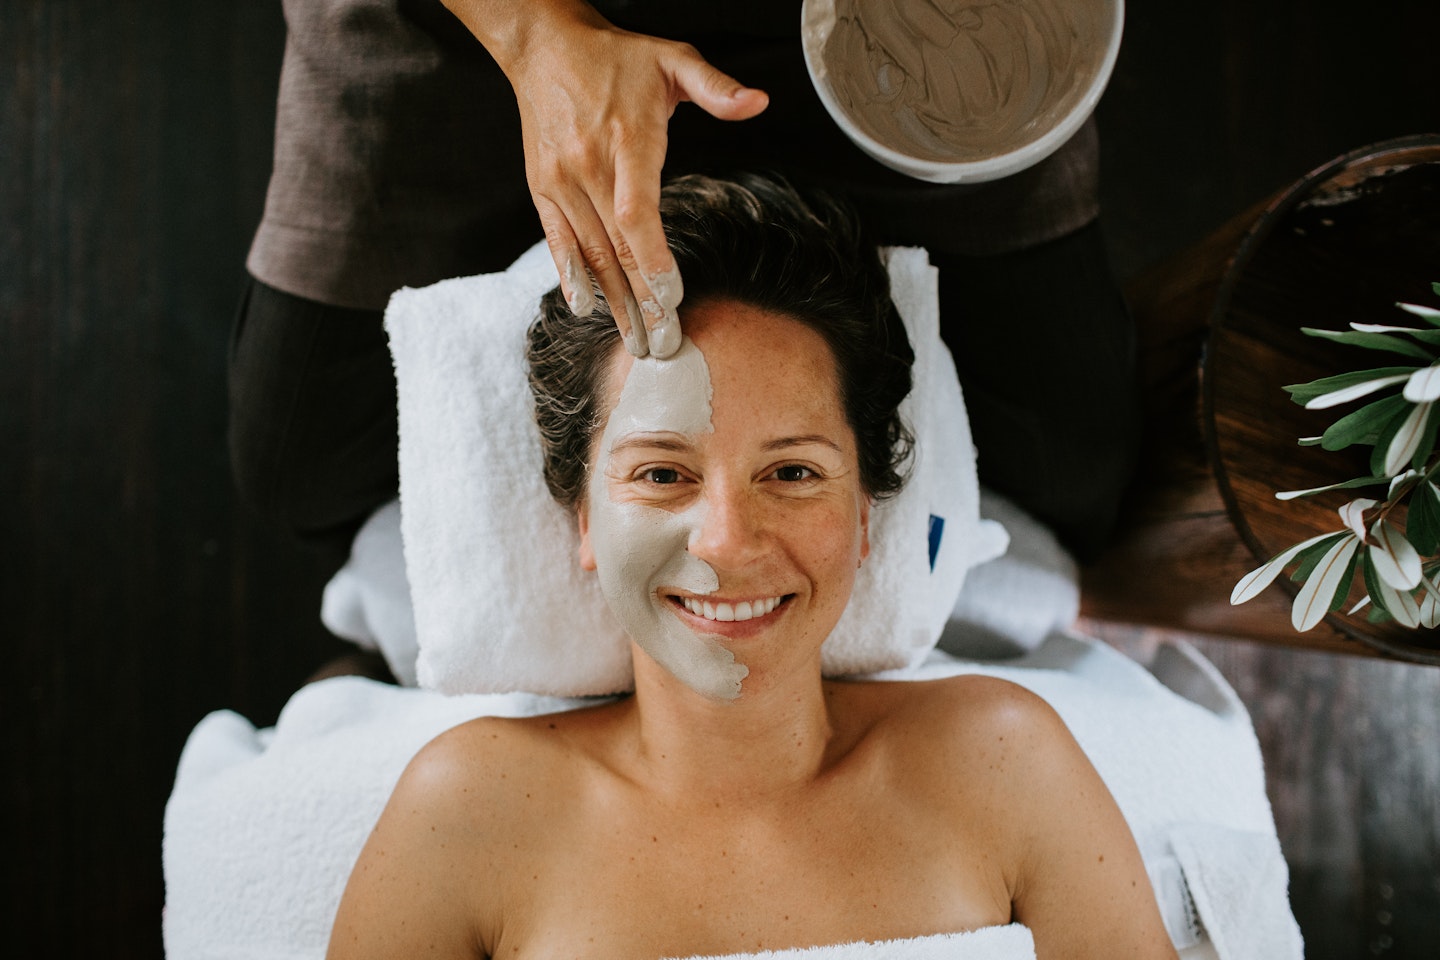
(1403, 443)
(1401, 478)
(1392, 556)
(1424, 334)
(1372, 341)
(1399, 435)
(1402, 605)
(1429, 314)
(1305, 393)
(1310, 556)
(1352, 515)
(1436, 287)
(1250, 585)
(1342, 485)
(1372, 588)
(1399, 604)
(1427, 438)
(1314, 599)
(1422, 525)
(1363, 425)
(1429, 604)
(1342, 592)
(1423, 385)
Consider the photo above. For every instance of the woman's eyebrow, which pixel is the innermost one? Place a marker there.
(808, 439)
(674, 443)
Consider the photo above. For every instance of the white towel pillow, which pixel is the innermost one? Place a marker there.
(500, 601)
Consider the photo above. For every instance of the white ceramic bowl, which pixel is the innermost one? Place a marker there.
(1041, 137)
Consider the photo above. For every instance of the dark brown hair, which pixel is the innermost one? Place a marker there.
(757, 240)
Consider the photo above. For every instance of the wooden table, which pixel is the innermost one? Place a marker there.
(1219, 336)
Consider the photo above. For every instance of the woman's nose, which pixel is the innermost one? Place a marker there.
(730, 533)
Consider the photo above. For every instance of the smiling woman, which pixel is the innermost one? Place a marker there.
(805, 310)
(691, 522)
(737, 801)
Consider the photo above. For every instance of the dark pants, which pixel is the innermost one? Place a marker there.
(1041, 339)
(313, 425)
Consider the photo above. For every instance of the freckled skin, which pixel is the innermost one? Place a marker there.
(803, 812)
(641, 549)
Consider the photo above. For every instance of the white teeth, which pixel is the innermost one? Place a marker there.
(727, 613)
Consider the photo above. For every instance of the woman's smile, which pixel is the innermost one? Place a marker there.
(731, 611)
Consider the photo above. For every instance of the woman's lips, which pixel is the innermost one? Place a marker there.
(730, 611)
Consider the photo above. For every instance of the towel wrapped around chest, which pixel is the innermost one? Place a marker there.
(1012, 942)
(264, 825)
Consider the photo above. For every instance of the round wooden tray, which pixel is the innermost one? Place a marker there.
(1343, 244)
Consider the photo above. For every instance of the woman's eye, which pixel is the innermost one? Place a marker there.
(793, 473)
(662, 475)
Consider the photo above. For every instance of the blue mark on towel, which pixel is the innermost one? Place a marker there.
(937, 528)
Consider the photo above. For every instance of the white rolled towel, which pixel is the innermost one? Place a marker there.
(489, 554)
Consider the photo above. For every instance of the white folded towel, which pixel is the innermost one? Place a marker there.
(368, 599)
(500, 602)
(1012, 942)
(1009, 605)
(264, 826)
(1240, 876)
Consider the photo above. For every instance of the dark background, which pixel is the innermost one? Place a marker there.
(136, 594)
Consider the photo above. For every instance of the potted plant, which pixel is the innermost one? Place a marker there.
(1394, 551)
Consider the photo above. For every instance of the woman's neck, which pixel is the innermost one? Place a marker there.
(777, 736)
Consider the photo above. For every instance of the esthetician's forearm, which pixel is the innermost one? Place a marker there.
(512, 30)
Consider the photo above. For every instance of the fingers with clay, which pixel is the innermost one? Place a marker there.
(639, 237)
(661, 316)
(583, 265)
(579, 289)
(604, 218)
(642, 249)
(595, 105)
(603, 227)
(643, 302)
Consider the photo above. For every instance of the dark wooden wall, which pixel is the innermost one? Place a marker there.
(134, 152)
(136, 595)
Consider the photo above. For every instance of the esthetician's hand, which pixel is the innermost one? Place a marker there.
(595, 106)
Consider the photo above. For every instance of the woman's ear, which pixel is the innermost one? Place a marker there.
(587, 554)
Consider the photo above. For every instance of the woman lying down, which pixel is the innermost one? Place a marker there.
(738, 802)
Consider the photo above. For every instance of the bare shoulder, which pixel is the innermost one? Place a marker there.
(1003, 754)
(977, 712)
(430, 877)
(1002, 762)
(477, 749)
(475, 774)
(985, 746)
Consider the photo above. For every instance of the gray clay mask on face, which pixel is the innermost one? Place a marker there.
(640, 549)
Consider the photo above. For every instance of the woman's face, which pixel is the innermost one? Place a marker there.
(725, 514)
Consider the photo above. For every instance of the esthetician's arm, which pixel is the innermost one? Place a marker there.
(595, 106)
